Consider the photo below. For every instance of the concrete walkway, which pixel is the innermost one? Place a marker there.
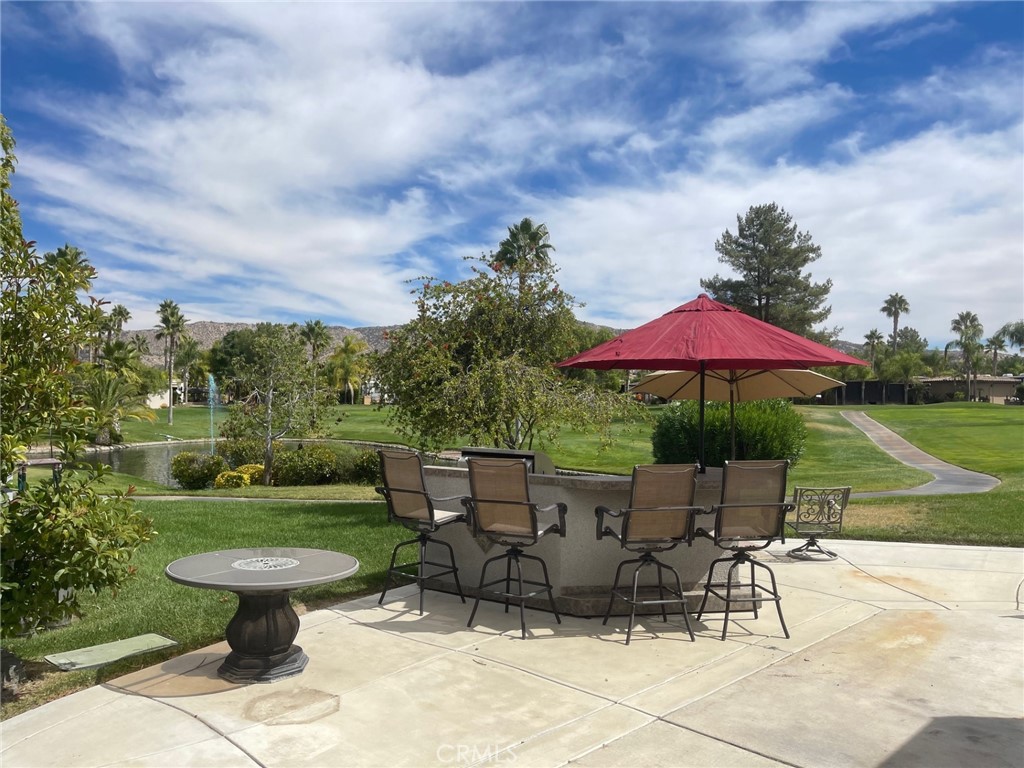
(901, 655)
(949, 478)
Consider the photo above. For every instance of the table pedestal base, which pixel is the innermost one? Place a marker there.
(260, 635)
(238, 668)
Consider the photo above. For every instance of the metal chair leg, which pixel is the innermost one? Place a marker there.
(391, 567)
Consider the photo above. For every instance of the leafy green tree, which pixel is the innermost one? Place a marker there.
(347, 366)
(769, 255)
(278, 382)
(61, 540)
(895, 306)
(235, 348)
(909, 340)
(170, 329)
(318, 337)
(477, 362)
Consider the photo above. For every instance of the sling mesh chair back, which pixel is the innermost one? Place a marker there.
(751, 516)
(659, 517)
(500, 510)
(409, 503)
(819, 512)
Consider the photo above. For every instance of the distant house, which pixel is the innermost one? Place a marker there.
(994, 389)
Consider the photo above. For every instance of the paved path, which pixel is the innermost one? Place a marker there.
(949, 478)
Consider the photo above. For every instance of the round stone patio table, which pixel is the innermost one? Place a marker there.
(262, 631)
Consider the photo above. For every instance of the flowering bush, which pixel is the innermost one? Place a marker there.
(231, 479)
(254, 472)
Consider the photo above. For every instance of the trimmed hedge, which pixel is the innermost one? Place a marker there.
(765, 429)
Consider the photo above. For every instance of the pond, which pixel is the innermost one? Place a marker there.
(150, 462)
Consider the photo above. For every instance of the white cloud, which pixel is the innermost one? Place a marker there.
(271, 160)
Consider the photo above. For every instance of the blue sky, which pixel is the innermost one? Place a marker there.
(293, 161)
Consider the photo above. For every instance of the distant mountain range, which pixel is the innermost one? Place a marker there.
(206, 333)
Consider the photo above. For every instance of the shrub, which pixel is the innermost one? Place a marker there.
(231, 479)
(195, 471)
(365, 469)
(254, 472)
(245, 450)
(765, 429)
(307, 465)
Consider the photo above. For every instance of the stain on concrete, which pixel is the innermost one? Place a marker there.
(305, 705)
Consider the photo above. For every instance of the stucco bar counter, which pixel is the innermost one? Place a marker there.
(581, 567)
(262, 631)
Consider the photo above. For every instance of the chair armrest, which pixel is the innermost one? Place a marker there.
(700, 530)
(599, 513)
(560, 506)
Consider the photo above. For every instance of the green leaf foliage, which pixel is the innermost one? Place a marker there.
(477, 362)
(61, 540)
(765, 429)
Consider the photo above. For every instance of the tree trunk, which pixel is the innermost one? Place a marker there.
(268, 445)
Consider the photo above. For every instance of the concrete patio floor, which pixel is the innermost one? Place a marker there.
(901, 655)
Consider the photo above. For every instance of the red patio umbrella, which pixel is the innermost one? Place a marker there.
(705, 335)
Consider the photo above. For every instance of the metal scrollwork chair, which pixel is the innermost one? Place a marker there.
(500, 510)
(410, 504)
(659, 518)
(751, 516)
(819, 512)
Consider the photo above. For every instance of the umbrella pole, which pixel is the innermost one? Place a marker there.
(732, 421)
(702, 467)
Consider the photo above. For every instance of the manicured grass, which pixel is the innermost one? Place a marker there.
(979, 436)
(837, 453)
(150, 602)
(191, 422)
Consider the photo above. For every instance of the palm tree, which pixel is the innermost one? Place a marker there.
(1014, 333)
(318, 337)
(872, 340)
(170, 329)
(893, 307)
(525, 249)
(120, 358)
(904, 368)
(186, 360)
(968, 329)
(118, 316)
(347, 365)
(112, 400)
(140, 344)
(996, 344)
